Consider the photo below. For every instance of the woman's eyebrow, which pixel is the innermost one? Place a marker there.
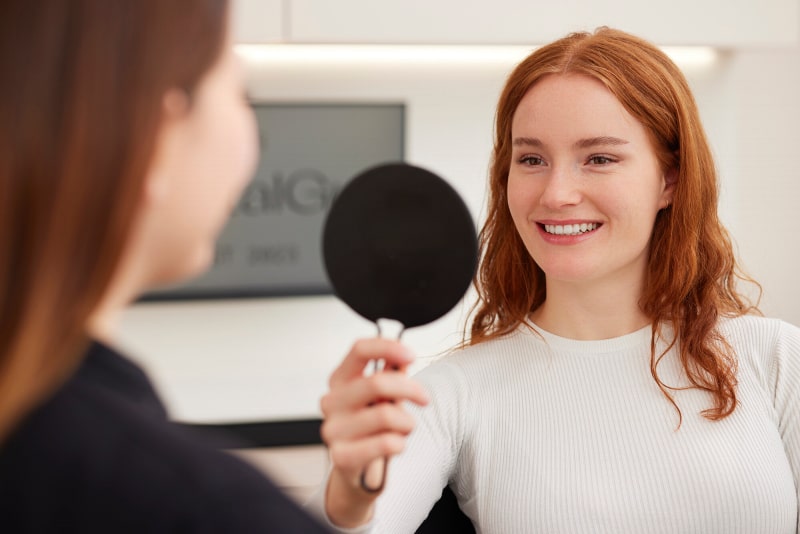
(589, 142)
(527, 141)
(603, 140)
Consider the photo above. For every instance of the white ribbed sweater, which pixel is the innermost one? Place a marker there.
(555, 435)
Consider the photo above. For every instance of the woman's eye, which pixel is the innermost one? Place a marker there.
(600, 160)
(531, 160)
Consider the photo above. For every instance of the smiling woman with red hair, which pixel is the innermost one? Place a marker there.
(616, 379)
(691, 272)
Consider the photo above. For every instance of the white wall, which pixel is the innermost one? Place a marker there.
(765, 157)
(270, 358)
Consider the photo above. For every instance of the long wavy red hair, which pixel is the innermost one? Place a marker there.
(692, 273)
(81, 103)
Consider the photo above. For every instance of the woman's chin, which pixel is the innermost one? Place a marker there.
(179, 272)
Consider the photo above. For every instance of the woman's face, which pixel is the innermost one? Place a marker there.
(584, 184)
(205, 157)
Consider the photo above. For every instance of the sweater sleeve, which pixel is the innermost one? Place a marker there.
(786, 380)
(417, 476)
(421, 472)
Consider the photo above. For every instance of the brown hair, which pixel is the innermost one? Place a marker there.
(80, 107)
(691, 273)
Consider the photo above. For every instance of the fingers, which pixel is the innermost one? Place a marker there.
(354, 456)
(394, 354)
(364, 416)
(381, 418)
(363, 391)
(359, 430)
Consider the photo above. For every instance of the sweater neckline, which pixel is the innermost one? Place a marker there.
(635, 339)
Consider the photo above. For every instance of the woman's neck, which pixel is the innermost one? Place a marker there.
(591, 311)
(102, 324)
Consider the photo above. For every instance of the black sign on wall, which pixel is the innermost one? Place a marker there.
(271, 245)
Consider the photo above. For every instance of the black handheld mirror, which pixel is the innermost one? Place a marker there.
(399, 244)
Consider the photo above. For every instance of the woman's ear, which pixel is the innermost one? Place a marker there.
(175, 107)
(670, 180)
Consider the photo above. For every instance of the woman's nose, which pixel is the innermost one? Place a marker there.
(562, 188)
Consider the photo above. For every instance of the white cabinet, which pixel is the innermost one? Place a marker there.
(722, 23)
(258, 21)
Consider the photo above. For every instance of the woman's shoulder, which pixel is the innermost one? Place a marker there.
(476, 363)
(500, 346)
(104, 440)
(758, 329)
(110, 463)
(765, 344)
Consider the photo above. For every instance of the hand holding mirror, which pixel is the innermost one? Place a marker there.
(399, 244)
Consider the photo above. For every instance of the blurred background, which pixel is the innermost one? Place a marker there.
(268, 358)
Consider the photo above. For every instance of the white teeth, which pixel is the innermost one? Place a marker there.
(570, 229)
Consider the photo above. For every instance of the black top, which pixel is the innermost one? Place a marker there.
(101, 456)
